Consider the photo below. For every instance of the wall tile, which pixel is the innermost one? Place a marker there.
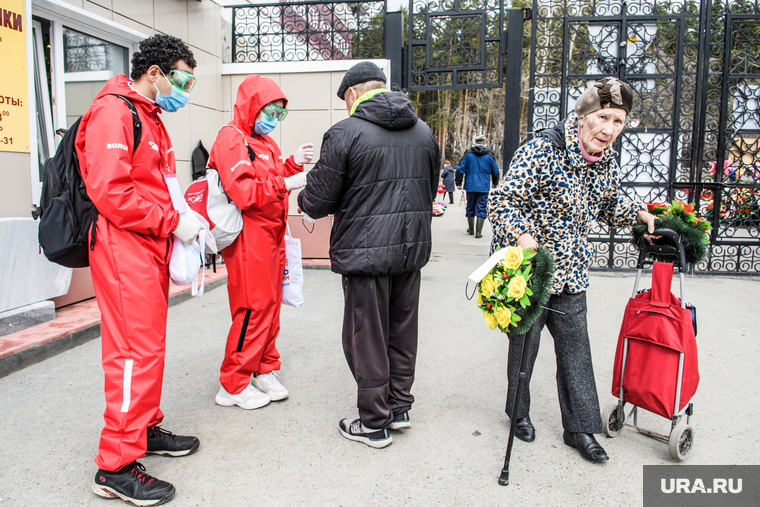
(77, 3)
(203, 19)
(178, 126)
(184, 174)
(100, 10)
(134, 25)
(136, 10)
(16, 190)
(337, 115)
(204, 125)
(226, 104)
(307, 91)
(226, 117)
(302, 127)
(335, 79)
(235, 81)
(170, 17)
(103, 3)
(209, 74)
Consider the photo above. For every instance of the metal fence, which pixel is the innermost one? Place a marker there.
(307, 31)
(694, 70)
(456, 44)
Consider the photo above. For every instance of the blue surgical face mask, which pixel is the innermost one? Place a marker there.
(265, 125)
(173, 101)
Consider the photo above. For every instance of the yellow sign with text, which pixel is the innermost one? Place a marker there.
(14, 103)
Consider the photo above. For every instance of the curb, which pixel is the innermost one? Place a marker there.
(33, 355)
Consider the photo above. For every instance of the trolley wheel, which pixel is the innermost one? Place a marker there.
(611, 426)
(681, 441)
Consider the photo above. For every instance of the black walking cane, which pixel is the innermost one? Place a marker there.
(504, 477)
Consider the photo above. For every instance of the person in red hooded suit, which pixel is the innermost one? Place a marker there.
(254, 176)
(128, 181)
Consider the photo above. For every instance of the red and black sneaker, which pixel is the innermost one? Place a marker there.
(132, 484)
(167, 443)
(353, 430)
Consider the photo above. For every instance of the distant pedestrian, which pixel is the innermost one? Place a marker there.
(477, 167)
(377, 173)
(448, 180)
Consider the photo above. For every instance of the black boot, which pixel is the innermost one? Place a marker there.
(471, 225)
(524, 430)
(479, 228)
(586, 445)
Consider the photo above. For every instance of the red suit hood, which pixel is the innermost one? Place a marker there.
(254, 93)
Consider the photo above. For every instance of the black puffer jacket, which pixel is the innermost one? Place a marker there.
(377, 173)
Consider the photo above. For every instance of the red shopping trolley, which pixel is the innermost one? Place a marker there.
(656, 358)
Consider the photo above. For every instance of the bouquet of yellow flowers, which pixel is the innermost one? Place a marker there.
(516, 287)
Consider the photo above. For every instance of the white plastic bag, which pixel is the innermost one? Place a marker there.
(186, 262)
(292, 278)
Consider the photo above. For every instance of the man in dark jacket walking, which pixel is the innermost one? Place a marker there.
(377, 173)
(479, 166)
(448, 180)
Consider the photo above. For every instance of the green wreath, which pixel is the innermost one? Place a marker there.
(678, 217)
(542, 280)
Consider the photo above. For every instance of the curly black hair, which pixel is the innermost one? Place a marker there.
(162, 50)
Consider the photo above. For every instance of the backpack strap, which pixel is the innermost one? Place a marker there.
(136, 123)
(555, 135)
(251, 153)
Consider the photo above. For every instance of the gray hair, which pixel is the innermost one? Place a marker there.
(363, 88)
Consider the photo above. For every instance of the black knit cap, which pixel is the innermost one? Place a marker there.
(358, 74)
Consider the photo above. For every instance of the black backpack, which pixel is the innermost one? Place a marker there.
(67, 213)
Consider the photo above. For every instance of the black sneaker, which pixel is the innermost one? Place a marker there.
(133, 485)
(352, 430)
(168, 444)
(401, 422)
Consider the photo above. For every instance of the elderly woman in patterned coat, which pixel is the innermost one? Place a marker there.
(557, 185)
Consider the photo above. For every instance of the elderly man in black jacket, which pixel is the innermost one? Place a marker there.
(377, 173)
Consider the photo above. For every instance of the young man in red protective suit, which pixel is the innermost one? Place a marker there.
(130, 260)
(254, 176)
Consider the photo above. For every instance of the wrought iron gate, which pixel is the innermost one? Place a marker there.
(455, 44)
(696, 81)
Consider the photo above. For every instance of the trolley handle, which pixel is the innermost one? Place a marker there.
(669, 244)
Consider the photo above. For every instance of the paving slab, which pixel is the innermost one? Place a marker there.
(290, 453)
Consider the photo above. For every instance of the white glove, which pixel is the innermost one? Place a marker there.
(304, 154)
(187, 229)
(296, 181)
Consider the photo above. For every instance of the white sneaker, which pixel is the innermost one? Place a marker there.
(248, 399)
(268, 383)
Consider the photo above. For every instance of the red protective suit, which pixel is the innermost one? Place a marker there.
(256, 259)
(130, 262)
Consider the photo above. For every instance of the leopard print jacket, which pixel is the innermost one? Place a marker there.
(555, 195)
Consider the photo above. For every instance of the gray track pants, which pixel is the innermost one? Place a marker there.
(380, 342)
